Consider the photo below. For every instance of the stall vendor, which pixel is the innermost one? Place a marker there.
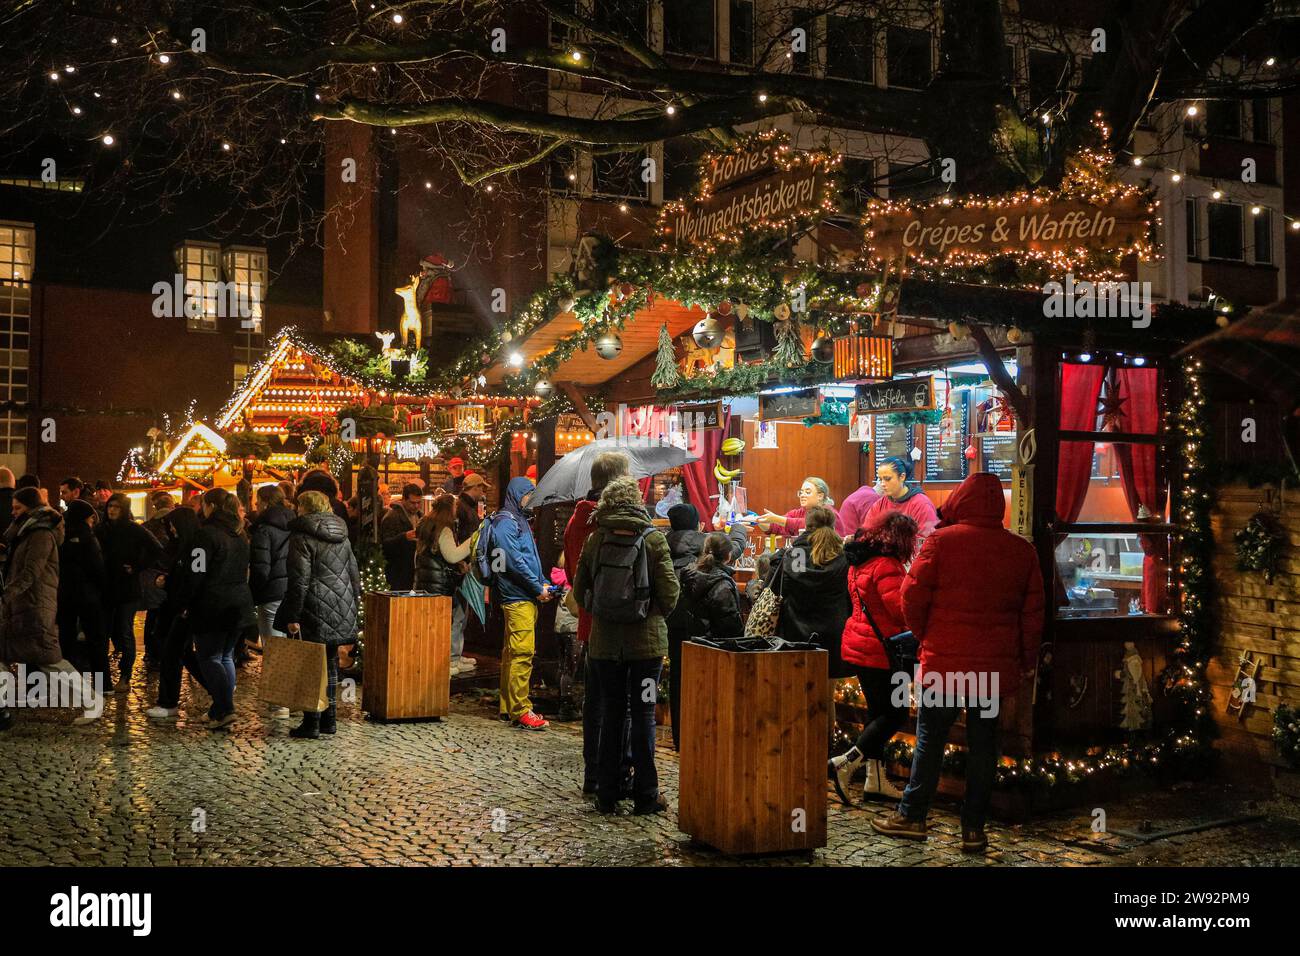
(898, 494)
(854, 508)
(813, 491)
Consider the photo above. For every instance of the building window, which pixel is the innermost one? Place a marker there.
(200, 262)
(629, 18)
(914, 180)
(1223, 118)
(1048, 71)
(1193, 229)
(1260, 122)
(689, 28)
(246, 274)
(681, 167)
(17, 260)
(801, 60)
(850, 50)
(742, 32)
(1225, 231)
(560, 32)
(909, 57)
(1263, 226)
(619, 175)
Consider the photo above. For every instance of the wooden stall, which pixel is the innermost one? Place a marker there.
(408, 657)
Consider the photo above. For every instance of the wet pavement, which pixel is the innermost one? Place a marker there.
(472, 790)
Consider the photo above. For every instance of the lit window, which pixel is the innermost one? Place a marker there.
(246, 272)
(200, 262)
(17, 259)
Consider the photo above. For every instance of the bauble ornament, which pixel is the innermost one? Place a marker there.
(609, 345)
(543, 388)
(707, 333)
(823, 348)
(724, 307)
(1015, 335)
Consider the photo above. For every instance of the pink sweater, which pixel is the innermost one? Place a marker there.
(915, 505)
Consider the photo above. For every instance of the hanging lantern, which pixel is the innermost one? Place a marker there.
(609, 345)
(823, 348)
(707, 333)
(471, 419)
(864, 357)
(543, 388)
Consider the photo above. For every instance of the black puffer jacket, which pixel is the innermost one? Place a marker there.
(219, 597)
(268, 574)
(324, 584)
(684, 545)
(433, 575)
(126, 544)
(81, 561)
(815, 598)
(712, 603)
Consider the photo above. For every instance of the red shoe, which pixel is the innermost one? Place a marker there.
(530, 721)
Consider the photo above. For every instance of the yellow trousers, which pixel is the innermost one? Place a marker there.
(517, 657)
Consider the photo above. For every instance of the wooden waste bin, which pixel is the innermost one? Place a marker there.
(753, 749)
(407, 657)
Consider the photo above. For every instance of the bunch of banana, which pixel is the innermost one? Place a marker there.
(733, 446)
(724, 475)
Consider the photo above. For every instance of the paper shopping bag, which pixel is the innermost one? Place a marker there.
(293, 674)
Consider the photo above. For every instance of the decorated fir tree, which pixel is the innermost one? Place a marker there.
(665, 373)
(789, 347)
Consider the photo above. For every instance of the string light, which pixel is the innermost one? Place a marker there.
(397, 18)
(164, 58)
(108, 139)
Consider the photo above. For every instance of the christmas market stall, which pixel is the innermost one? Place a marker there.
(1005, 334)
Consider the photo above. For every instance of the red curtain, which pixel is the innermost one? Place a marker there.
(1080, 389)
(646, 421)
(1144, 478)
(696, 475)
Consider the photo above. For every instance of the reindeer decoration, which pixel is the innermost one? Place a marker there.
(410, 323)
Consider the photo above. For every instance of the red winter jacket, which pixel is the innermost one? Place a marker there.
(580, 526)
(876, 583)
(974, 595)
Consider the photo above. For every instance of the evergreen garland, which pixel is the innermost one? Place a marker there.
(1286, 733)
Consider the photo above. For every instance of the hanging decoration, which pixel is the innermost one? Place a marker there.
(707, 333)
(789, 347)
(1286, 734)
(823, 348)
(609, 345)
(864, 356)
(1260, 544)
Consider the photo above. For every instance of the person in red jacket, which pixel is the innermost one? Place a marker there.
(876, 555)
(897, 493)
(605, 467)
(974, 597)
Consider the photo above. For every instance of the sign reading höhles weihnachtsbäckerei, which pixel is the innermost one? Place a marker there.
(762, 185)
(947, 233)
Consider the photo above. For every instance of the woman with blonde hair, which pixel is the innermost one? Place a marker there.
(440, 565)
(813, 493)
(812, 579)
(321, 597)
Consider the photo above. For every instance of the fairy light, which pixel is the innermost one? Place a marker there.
(164, 59)
(107, 139)
(1217, 194)
(398, 19)
(1176, 177)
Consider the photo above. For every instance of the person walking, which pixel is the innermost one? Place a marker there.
(626, 580)
(605, 467)
(178, 641)
(81, 592)
(128, 550)
(219, 600)
(971, 618)
(155, 618)
(899, 493)
(686, 542)
(29, 608)
(268, 573)
(875, 555)
(397, 533)
(519, 586)
(440, 565)
(321, 597)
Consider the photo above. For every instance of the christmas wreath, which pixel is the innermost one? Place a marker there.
(1259, 544)
(1286, 733)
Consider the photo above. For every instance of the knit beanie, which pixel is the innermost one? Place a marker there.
(29, 498)
(683, 517)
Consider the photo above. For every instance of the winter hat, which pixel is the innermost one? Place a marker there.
(684, 517)
(79, 510)
(29, 498)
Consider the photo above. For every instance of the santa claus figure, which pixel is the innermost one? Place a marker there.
(435, 282)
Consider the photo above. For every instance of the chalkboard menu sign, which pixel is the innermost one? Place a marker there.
(707, 415)
(897, 395)
(1000, 454)
(945, 453)
(790, 405)
(892, 441)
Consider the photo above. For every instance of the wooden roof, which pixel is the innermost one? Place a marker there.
(640, 337)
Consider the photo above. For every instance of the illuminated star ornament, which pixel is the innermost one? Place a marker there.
(1111, 410)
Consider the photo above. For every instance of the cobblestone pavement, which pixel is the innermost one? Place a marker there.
(467, 790)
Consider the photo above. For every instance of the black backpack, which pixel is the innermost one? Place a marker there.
(620, 584)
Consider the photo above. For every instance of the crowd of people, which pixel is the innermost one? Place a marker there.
(215, 576)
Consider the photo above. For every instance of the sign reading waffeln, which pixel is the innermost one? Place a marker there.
(1033, 225)
(901, 395)
(763, 185)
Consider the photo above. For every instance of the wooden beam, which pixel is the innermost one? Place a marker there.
(580, 406)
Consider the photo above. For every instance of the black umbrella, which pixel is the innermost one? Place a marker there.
(569, 479)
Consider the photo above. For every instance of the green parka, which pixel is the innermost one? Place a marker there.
(621, 508)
